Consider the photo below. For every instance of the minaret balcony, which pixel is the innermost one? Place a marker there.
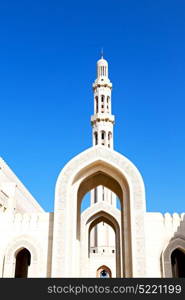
(102, 82)
(102, 117)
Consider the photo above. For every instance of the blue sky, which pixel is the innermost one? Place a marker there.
(48, 54)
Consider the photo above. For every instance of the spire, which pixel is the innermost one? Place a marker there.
(102, 52)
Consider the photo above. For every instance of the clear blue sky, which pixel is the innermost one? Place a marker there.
(48, 54)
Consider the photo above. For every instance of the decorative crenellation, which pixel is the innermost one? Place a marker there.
(174, 223)
(25, 220)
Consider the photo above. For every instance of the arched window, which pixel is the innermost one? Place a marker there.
(108, 98)
(95, 195)
(103, 194)
(96, 138)
(96, 100)
(104, 272)
(103, 138)
(109, 135)
(105, 72)
(23, 261)
(178, 263)
(102, 103)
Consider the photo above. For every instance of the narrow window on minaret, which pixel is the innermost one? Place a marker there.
(95, 195)
(108, 103)
(103, 137)
(102, 103)
(96, 104)
(96, 138)
(109, 138)
(109, 135)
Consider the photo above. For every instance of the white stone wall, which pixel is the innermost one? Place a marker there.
(33, 231)
(160, 229)
(37, 230)
(13, 194)
(96, 261)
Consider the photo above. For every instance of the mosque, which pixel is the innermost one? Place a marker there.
(104, 240)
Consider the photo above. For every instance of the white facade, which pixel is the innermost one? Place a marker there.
(102, 241)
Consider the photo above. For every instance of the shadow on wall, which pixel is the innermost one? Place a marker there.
(180, 229)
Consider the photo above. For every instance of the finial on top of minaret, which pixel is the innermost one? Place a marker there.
(102, 52)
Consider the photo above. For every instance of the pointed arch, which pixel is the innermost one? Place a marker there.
(177, 243)
(102, 269)
(90, 218)
(14, 247)
(23, 261)
(115, 168)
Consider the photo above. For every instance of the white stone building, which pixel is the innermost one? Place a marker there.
(103, 240)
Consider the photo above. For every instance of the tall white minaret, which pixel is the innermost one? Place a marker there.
(102, 236)
(102, 121)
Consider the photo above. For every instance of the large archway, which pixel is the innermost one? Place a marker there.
(98, 166)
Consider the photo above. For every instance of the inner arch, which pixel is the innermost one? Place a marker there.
(103, 216)
(91, 182)
(99, 178)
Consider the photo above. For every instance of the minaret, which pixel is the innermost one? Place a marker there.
(102, 121)
(102, 237)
